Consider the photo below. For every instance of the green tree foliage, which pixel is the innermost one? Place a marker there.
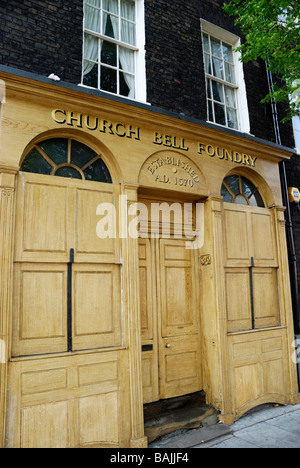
(272, 33)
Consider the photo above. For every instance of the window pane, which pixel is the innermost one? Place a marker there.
(56, 149)
(90, 48)
(109, 53)
(229, 73)
(248, 188)
(233, 183)
(128, 10)
(35, 163)
(216, 48)
(240, 200)
(111, 5)
(111, 26)
(227, 197)
(232, 118)
(208, 87)
(109, 79)
(230, 96)
(96, 3)
(81, 154)
(253, 201)
(68, 171)
(227, 53)
(207, 61)
(218, 70)
(128, 32)
(91, 78)
(220, 114)
(126, 84)
(218, 93)
(206, 43)
(258, 200)
(127, 60)
(210, 111)
(92, 19)
(98, 172)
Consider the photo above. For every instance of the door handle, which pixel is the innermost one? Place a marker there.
(168, 345)
(69, 301)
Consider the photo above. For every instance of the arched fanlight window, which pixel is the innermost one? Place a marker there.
(65, 157)
(237, 189)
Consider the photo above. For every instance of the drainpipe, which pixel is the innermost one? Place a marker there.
(289, 226)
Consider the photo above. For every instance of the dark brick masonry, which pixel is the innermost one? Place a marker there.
(293, 176)
(45, 36)
(42, 36)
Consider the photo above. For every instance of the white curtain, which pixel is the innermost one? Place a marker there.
(230, 96)
(92, 21)
(231, 105)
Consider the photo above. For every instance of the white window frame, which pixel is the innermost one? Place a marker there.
(241, 96)
(140, 54)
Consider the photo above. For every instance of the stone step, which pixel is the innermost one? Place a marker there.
(183, 419)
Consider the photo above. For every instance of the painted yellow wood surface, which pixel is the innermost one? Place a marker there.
(130, 292)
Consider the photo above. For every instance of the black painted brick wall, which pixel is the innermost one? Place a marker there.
(42, 36)
(293, 176)
(45, 36)
(174, 58)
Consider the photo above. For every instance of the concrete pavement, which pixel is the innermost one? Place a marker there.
(265, 427)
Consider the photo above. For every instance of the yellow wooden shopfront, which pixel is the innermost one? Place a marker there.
(98, 318)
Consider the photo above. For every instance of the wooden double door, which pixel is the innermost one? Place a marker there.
(171, 344)
(67, 376)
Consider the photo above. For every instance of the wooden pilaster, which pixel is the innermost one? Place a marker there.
(7, 190)
(132, 312)
(286, 300)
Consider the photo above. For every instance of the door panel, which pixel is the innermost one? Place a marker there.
(41, 219)
(263, 228)
(146, 289)
(266, 301)
(178, 289)
(169, 270)
(40, 318)
(96, 306)
(237, 282)
(180, 366)
(88, 246)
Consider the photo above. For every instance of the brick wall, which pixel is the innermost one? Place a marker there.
(293, 176)
(174, 59)
(45, 36)
(42, 36)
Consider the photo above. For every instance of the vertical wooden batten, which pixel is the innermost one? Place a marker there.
(7, 192)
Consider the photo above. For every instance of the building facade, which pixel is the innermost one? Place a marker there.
(143, 247)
